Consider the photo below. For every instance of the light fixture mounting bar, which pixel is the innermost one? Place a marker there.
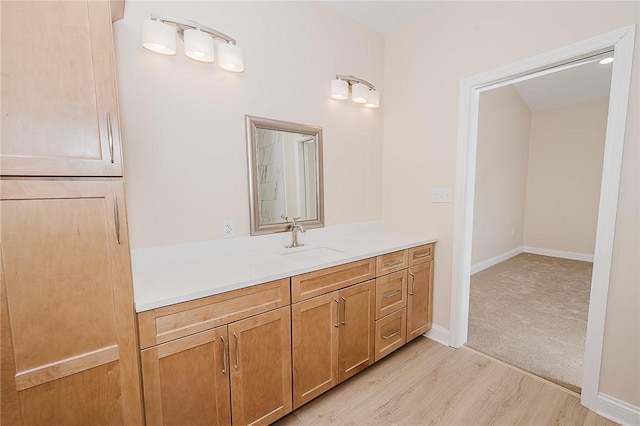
(184, 24)
(353, 79)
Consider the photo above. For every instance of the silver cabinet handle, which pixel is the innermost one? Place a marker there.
(391, 335)
(393, 293)
(420, 256)
(390, 264)
(337, 313)
(237, 350)
(110, 135)
(116, 218)
(224, 356)
(344, 319)
(413, 284)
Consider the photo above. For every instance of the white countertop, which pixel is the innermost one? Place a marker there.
(172, 274)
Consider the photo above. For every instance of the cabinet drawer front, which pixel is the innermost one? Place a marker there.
(327, 280)
(391, 293)
(392, 262)
(175, 321)
(421, 254)
(391, 333)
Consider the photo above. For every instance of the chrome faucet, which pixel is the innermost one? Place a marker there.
(295, 227)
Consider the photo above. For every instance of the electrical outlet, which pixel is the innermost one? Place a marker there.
(441, 195)
(227, 229)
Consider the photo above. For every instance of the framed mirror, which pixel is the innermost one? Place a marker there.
(285, 174)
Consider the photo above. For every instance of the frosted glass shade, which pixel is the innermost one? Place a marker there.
(198, 45)
(373, 99)
(158, 37)
(339, 89)
(230, 57)
(359, 93)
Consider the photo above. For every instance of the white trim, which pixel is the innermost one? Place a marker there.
(558, 253)
(622, 42)
(618, 411)
(611, 170)
(481, 266)
(438, 334)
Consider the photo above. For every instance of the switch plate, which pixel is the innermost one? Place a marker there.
(227, 229)
(441, 195)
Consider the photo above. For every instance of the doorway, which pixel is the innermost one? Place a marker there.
(538, 176)
(621, 42)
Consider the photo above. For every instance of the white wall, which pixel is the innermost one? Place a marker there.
(502, 158)
(566, 152)
(424, 63)
(183, 122)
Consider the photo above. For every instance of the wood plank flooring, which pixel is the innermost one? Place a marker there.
(425, 383)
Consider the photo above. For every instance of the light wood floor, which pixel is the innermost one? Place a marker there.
(428, 383)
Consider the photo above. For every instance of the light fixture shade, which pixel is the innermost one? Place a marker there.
(198, 45)
(359, 93)
(373, 99)
(230, 57)
(158, 37)
(606, 61)
(339, 89)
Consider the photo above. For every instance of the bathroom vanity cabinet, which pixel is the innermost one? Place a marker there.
(251, 355)
(222, 357)
(332, 332)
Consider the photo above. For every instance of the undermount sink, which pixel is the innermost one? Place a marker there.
(310, 253)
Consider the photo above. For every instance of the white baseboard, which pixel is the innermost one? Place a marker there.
(618, 411)
(439, 334)
(559, 253)
(481, 266)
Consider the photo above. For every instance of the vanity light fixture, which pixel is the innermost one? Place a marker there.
(362, 91)
(159, 35)
(606, 61)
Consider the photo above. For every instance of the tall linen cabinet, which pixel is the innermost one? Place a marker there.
(68, 342)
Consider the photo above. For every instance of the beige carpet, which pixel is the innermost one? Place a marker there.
(531, 311)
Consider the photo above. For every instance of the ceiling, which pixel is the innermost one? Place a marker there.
(582, 83)
(382, 16)
(585, 82)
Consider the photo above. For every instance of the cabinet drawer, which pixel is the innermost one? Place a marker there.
(391, 333)
(391, 262)
(420, 254)
(391, 293)
(315, 283)
(175, 321)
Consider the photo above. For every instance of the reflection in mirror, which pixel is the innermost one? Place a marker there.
(285, 174)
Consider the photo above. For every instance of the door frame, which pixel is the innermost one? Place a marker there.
(622, 43)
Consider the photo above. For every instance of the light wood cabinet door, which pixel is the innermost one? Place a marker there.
(420, 301)
(260, 364)
(68, 344)
(186, 381)
(356, 335)
(314, 324)
(58, 96)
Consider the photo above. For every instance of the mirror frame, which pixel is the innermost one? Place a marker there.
(252, 125)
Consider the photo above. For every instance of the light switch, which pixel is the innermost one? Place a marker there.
(441, 195)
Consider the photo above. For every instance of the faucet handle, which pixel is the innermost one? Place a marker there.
(293, 219)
